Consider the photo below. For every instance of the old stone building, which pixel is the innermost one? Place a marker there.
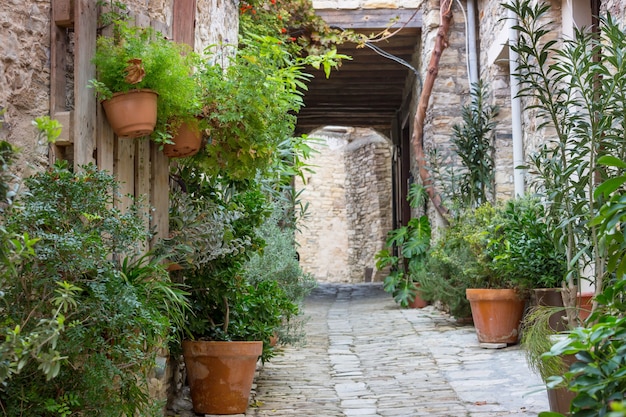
(349, 198)
(476, 48)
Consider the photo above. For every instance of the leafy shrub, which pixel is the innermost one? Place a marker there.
(277, 264)
(106, 310)
(521, 246)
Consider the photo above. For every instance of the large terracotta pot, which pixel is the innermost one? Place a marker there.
(497, 314)
(132, 114)
(187, 141)
(220, 374)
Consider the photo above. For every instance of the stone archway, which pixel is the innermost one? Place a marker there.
(350, 205)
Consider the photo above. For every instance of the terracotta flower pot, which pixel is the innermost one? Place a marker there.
(418, 302)
(560, 399)
(550, 297)
(497, 314)
(220, 374)
(187, 141)
(132, 114)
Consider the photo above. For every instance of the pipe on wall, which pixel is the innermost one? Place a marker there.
(471, 41)
(516, 110)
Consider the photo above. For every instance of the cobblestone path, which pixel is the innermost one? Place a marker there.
(366, 357)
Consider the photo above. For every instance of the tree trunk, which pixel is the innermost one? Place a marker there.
(417, 138)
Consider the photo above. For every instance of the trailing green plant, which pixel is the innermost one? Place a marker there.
(141, 58)
(538, 338)
(405, 251)
(81, 321)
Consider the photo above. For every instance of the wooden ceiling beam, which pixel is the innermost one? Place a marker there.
(371, 18)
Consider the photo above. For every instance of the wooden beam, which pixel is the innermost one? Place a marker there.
(124, 173)
(142, 182)
(159, 193)
(371, 18)
(84, 99)
(184, 21)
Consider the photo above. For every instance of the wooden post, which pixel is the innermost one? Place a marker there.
(184, 21)
(84, 99)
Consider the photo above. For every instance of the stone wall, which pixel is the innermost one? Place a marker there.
(369, 201)
(349, 198)
(25, 61)
(24, 76)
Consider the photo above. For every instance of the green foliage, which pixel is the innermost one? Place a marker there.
(249, 103)
(299, 30)
(598, 375)
(466, 174)
(507, 245)
(224, 219)
(81, 321)
(456, 261)
(521, 247)
(578, 89)
(168, 68)
(537, 338)
(473, 144)
(277, 263)
(411, 242)
(49, 129)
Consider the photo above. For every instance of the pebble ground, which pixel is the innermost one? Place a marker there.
(364, 356)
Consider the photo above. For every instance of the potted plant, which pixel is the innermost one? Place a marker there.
(522, 249)
(496, 300)
(231, 316)
(140, 64)
(405, 253)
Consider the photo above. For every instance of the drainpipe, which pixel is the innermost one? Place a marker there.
(471, 41)
(516, 110)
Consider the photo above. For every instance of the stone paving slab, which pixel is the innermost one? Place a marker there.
(364, 356)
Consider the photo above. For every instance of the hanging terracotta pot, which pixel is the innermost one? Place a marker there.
(497, 314)
(187, 141)
(132, 114)
(220, 374)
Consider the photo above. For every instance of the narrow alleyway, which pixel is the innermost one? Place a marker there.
(366, 357)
